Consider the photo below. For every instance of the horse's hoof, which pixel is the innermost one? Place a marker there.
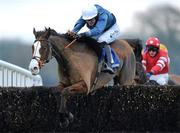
(64, 123)
(71, 117)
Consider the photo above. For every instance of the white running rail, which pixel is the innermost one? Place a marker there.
(15, 76)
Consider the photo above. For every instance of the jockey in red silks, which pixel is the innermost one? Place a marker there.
(156, 61)
(102, 27)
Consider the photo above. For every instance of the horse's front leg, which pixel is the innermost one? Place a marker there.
(56, 92)
(79, 87)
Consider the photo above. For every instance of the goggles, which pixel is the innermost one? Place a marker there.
(152, 48)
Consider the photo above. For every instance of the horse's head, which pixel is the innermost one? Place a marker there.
(41, 51)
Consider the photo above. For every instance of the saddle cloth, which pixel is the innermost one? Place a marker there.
(114, 60)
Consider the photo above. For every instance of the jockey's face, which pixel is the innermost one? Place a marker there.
(91, 22)
(152, 53)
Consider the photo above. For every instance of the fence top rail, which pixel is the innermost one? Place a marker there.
(19, 69)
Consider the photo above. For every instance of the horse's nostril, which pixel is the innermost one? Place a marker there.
(35, 68)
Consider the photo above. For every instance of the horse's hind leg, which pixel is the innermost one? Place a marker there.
(79, 87)
(127, 73)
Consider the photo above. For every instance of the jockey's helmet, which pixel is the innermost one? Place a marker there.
(89, 12)
(153, 43)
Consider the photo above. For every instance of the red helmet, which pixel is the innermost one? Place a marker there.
(153, 41)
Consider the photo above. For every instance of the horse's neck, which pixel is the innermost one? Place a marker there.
(65, 56)
(58, 42)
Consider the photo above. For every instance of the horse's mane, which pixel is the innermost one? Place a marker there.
(87, 40)
(90, 42)
(52, 32)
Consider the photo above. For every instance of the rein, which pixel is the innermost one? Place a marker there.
(73, 41)
(58, 56)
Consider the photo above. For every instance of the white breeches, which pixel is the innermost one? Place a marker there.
(161, 79)
(110, 35)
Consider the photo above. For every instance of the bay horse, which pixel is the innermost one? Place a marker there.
(78, 66)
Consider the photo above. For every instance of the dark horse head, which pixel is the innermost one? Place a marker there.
(78, 65)
(41, 50)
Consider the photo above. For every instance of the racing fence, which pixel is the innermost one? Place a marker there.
(15, 76)
(111, 109)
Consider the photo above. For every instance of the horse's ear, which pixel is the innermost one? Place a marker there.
(47, 33)
(45, 29)
(34, 32)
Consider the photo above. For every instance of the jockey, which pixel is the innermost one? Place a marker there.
(102, 27)
(156, 61)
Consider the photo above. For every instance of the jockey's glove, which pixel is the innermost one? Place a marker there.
(149, 74)
(81, 35)
(71, 35)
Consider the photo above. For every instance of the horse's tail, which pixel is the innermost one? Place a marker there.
(136, 44)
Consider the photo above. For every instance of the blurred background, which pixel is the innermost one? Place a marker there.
(137, 19)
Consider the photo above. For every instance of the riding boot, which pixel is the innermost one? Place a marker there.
(109, 58)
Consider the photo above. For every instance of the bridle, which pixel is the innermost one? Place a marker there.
(48, 57)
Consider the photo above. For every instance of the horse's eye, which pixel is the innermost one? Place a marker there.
(45, 48)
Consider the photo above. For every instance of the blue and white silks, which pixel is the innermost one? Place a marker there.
(115, 59)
